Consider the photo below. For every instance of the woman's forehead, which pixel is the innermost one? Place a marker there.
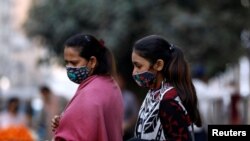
(139, 59)
(71, 51)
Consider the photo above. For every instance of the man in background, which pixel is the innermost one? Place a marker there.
(52, 105)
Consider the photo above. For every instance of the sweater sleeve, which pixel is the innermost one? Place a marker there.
(174, 121)
(83, 120)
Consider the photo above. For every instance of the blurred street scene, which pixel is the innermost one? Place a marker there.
(34, 86)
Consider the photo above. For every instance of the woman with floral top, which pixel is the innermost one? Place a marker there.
(170, 106)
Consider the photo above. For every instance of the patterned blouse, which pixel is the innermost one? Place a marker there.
(163, 117)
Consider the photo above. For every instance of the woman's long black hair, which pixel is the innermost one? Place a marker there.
(176, 70)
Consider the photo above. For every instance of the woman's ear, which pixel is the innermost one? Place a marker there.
(159, 64)
(92, 62)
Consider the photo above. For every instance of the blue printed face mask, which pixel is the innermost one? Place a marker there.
(77, 74)
(144, 79)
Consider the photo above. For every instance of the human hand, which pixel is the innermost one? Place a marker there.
(55, 122)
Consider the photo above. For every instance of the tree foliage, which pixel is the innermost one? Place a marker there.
(207, 31)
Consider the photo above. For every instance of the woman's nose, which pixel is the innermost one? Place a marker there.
(134, 71)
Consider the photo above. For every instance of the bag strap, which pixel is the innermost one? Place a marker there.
(192, 134)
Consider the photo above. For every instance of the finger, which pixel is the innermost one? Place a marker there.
(55, 119)
(54, 124)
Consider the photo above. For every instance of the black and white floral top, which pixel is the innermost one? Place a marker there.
(163, 117)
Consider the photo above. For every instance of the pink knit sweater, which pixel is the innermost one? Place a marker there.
(95, 113)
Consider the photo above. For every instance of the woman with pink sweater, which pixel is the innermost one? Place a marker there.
(95, 113)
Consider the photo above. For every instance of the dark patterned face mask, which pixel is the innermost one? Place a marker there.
(144, 79)
(77, 74)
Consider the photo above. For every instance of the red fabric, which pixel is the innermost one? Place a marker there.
(173, 118)
(95, 113)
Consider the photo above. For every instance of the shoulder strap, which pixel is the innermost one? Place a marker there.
(164, 91)
(192, 134)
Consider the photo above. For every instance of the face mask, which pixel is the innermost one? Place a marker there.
(77, 74)
(144, 79)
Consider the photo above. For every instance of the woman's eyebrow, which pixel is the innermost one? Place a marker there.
(134, 62)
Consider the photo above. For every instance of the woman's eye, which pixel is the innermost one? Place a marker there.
(138, 66)
(71, 63)
(74, 63)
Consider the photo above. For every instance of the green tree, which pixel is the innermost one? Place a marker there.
(207, 31)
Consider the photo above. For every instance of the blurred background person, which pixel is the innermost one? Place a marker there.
(234, 107)
(52, 105)
(203, 92)
(30, 113)
(12, 116)
(131, 108)
(14, 123)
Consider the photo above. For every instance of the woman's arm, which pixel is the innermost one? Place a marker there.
(174, 121)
